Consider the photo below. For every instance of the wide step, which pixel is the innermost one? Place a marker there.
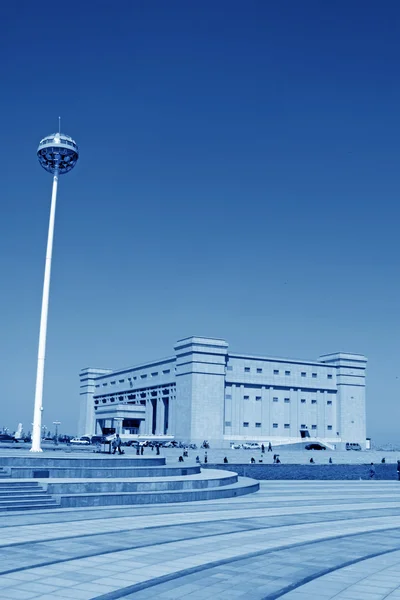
(243, 486)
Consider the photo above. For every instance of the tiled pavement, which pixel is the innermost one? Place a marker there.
(292, 540)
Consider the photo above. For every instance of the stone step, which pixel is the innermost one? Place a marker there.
(95, 461)
(22, 494)
(242, 487)
(108, 472)
(200, 481)
(46, 500)
(29, 506)
(29, 485)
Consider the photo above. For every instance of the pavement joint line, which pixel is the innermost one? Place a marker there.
(59, 512)
(193, 523)
(150, 544)
(123, 592)
(323, 572)
(278, 512)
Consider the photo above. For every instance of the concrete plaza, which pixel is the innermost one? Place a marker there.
(293, 540)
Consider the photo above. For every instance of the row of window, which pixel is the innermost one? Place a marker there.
(275, 399)
(277, 372)
(275, 425)
(143, 376)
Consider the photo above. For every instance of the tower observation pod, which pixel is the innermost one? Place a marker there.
(57, 154)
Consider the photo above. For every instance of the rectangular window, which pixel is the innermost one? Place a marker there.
(259, 370)
(303, 426)
(313, 402)
(329, 402)
(303, 400)
(245, 424)
(246, 397)
(166, 371)
(104, 384)
(247, 369)
(329, 427)
(229, 368)
(258, 398)
(121, 380)
(275, 399)
(112, 382)
(287, 373)
(276, 371)
(155, 374)
(287, 400)
(258, 424)
(143, 376)
(228, 396)
(275, 425)
(313, 427)
(314, 375)
(97, 385)
(228, 424)
(329, 376)
(287, 426)
(303, 374)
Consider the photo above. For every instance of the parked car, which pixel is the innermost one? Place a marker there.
(83, 441)
(352, 446)
(251, 446)
(315, 446)
(235, 446)
(6, 437)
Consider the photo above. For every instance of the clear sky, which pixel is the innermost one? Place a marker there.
(238, 178)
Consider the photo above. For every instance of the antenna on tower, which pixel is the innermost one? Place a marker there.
(59, 125)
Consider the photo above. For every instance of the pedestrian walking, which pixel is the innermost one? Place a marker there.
(158, 449)
(269, 447)
(205, 458)
(137, 449)
(398, 470)
(371, 472)
(262, 448)
(116, 444)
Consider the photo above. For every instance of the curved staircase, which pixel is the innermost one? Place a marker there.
(65, 482)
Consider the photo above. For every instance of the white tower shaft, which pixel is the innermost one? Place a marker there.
(37, 414)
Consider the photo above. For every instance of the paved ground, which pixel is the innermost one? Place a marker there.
(216, 455)
(292, 540)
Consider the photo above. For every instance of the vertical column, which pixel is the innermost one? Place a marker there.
(160, 415)
(118, 424)
(87, 421)
(148, 417)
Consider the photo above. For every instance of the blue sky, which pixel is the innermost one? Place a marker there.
(238, 178)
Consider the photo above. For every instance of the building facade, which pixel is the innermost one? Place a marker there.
(205, 392)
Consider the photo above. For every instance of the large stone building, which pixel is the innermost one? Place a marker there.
(205, 392)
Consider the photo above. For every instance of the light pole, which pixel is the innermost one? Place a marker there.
(56, 423)
(57, 154)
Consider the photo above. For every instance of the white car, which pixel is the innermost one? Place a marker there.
(80, 441)
(251, 446)
(235, 446)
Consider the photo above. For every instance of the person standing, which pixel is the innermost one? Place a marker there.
(116, 444)
(262, 448)
(398, 470)
(269, 447)
(141, 450)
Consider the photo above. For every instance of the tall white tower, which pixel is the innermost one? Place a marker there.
(58, 154)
